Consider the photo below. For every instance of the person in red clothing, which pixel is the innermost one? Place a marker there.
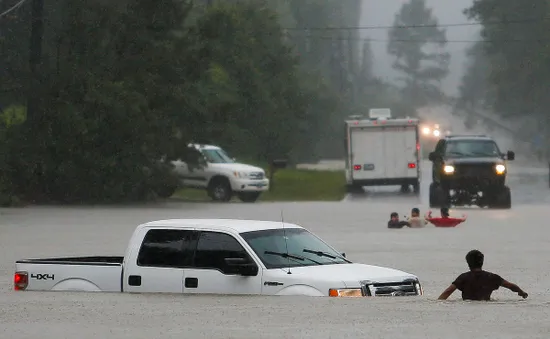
(478, 284)
(445, 220)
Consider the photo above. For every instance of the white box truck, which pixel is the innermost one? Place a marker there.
(382, 152)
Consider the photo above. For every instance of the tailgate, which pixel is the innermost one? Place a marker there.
(367, 151)
(400, 151)
(69, 277)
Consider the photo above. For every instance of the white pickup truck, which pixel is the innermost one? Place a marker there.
(218, 256)
(220, 175)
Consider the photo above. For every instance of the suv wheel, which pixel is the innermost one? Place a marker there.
(220, 190)
(165, 191)
(248, 196)
(438, 196)
(502, 199)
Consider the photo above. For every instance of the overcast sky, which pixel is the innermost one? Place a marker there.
(382, 12)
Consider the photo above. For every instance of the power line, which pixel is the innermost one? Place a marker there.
(13, 8)
(462, 24)
(422, 41)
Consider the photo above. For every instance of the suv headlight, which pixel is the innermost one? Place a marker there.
(500, 169)
(241, 175)
(449, 169)
(345, 292)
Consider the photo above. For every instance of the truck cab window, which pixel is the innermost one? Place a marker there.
(167, 248)
(214, 247)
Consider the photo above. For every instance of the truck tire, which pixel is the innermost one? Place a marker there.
(354, 189)
(503, 199)
(248, 196)
(165, 191)
(219, 189)
(438, 197)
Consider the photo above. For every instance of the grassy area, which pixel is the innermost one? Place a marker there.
(291, 185)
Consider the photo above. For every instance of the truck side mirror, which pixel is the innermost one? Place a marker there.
(510, 155)
(432, 156)
(242, 267)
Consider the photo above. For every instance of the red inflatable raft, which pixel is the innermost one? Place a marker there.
(446, 222)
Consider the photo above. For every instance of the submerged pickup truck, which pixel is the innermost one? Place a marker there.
(218, 256)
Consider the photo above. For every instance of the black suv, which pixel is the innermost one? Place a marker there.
(469, 170)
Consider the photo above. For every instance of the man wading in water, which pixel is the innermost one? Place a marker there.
(478, 284)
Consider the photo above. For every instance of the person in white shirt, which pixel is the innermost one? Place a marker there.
(415, 221)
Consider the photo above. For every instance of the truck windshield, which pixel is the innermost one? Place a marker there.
(217, 156)
(472, 148)
(304, 248)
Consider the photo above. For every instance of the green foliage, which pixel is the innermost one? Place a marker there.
(516, 56)
(126, 84)
(422, 68)
(475, 89)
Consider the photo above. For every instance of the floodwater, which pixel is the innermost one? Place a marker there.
(516, 244)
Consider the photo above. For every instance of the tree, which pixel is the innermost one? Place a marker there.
(475, 88)
(516, 36)
(422, 69)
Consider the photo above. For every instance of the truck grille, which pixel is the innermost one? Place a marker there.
(256, 175)
(475, 170)
(392, 289)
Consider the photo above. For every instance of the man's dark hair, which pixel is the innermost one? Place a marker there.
(444, 211)
(474, 258)
(394, 214)
(415, 210)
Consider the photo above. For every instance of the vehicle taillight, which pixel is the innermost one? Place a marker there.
(20, 281)
(417, 146)
(357, 167)
(411, 165)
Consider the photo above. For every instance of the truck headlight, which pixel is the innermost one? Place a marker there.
(426, 130)
(437, 133)
(500, 169)
(345, 292)
(449, 169)
(419, 288)
(240, 174)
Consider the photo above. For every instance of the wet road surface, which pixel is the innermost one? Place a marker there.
(516, 244)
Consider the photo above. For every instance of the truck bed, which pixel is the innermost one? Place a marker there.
(91, 274)
(95, 261)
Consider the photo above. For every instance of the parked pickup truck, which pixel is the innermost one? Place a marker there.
(220, 175)
(219, 256)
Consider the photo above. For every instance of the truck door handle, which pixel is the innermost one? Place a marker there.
(191, 282)
(134, 280)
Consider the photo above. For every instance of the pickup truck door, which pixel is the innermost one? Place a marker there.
(210, 274)
(157, 265)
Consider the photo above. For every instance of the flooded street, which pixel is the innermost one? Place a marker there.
(515, 243)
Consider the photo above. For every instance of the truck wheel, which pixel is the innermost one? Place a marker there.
(219, 189)
(405, 188)
(354, 189)
(248, 196)
(165, 191)
(503, 199)
(438, 197)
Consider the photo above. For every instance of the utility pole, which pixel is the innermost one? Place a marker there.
(35, 59)
(351, 66)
